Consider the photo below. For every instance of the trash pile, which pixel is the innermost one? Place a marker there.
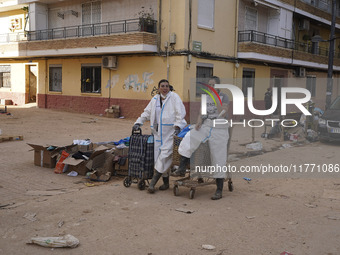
(303, 127)
(113, 111)
(96, 161)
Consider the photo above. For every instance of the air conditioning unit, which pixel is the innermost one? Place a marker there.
(301, 72)
(109, 62)
(304, 24)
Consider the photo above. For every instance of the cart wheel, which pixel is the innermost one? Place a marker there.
(176, 190)
(230, 186)
(141, 184)
(192, 193)
(127, 182)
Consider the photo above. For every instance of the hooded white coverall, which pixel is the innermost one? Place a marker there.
(163, 120)
(218, 137)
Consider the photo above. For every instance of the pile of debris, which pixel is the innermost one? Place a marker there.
(113, 111)
(96, 161)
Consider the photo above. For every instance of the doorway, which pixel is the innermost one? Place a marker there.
(31, 83)
(278, 80)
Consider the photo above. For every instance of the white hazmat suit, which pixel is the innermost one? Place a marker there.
(217, 135)
(163, 119)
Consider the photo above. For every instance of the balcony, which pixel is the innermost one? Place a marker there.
(125, 36)
(261, 44)
(107, 28)
(13, 37)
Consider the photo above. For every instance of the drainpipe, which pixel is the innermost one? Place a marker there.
(236, 65)
(46, 81)
(108, 107)
(159, 34)
(167, 50)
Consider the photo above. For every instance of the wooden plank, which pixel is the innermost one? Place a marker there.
(5, 138)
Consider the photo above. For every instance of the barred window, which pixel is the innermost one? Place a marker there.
(91, 79)
(203, 73)
(248, 80)
(55, 78)
(5, 76)
(311, 85)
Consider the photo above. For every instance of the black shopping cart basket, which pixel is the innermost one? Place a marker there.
(140, 159)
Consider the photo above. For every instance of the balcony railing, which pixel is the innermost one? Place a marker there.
(263, 38)
(13, 37)
(107, 28)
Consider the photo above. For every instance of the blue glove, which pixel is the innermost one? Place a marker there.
(136, 127)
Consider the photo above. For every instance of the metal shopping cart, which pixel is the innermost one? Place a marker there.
(196, 179)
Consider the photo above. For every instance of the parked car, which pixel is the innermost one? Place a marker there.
(329, 123)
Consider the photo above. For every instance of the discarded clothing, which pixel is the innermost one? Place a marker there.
(125, 141)
(82, 155)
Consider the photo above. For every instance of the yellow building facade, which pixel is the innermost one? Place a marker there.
(86, 56)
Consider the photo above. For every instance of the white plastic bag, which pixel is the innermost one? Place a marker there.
(257, 146)
(56, 242)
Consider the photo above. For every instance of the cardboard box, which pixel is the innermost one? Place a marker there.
(84, 148)
(125, 166)
(82, 166)
(121, 170)
(44, 156)
(112, 114)
(102, 163)
(113, 111)
(122, 152)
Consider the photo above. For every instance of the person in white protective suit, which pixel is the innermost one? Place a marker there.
(203, 131)
(166, 113)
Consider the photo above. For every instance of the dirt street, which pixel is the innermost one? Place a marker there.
(294, 212)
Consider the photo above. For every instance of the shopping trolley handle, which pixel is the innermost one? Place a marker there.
(136, 132)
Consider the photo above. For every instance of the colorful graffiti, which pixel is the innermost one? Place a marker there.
(132, 82)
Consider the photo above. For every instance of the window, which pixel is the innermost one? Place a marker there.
(203, 72)
(5, 76)
(91, 14)
(206, 13)
(251, 19)
(325, 5)
(248, 80)
(91, 78)
(311, 85)
(55, 78)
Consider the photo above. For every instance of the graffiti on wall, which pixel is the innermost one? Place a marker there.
(154, 91)
(114, 81)
(132, 82)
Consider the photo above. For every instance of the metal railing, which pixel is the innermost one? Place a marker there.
(264, 38)
(106, 28)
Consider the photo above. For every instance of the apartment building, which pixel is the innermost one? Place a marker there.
(276, 42)
(83, 56)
